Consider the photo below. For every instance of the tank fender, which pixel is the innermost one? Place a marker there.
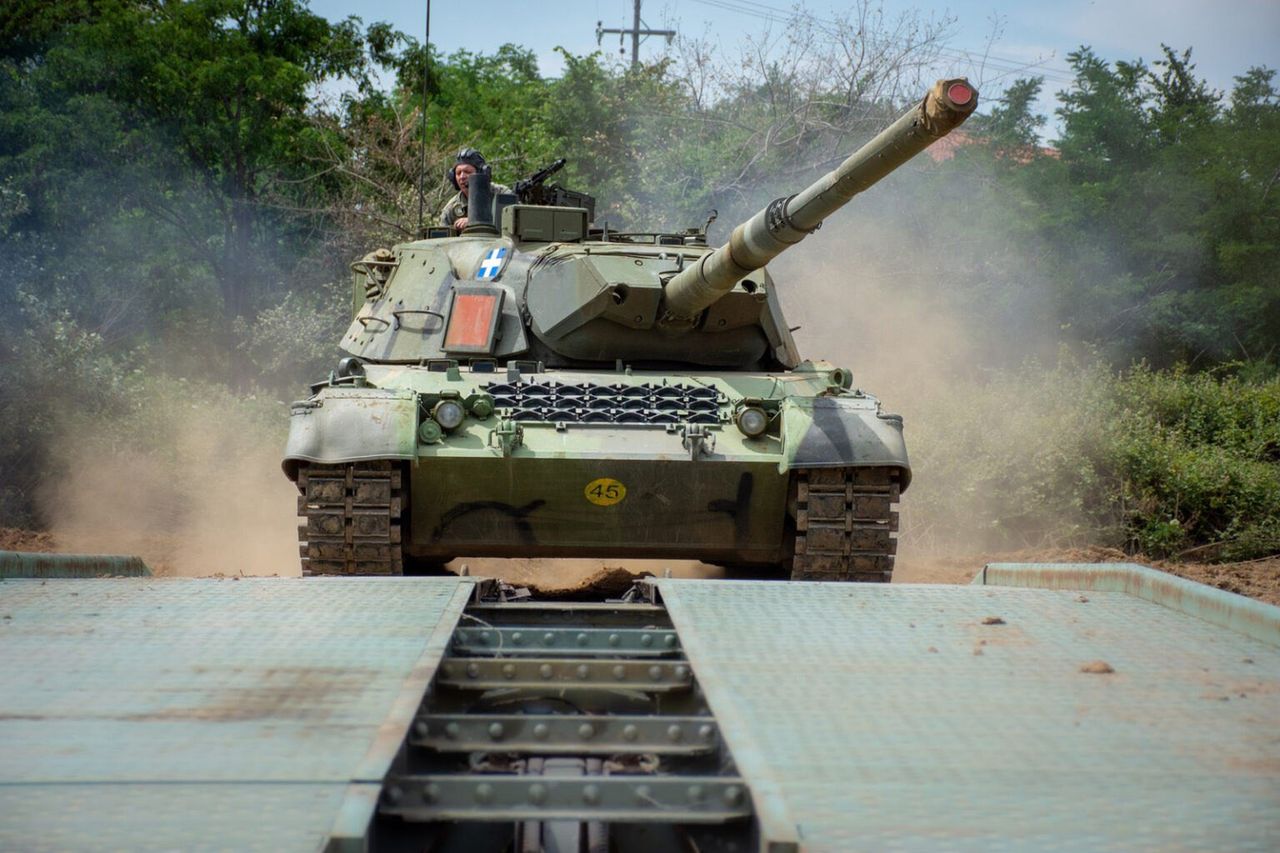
(841, 432)
(341, 425)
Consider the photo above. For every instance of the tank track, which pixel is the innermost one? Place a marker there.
(352, 518)
(845, 524)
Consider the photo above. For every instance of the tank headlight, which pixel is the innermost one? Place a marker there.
(449, 414)
(752, 420)
(429, 432)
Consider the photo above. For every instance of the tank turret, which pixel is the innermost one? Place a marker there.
(786, 221)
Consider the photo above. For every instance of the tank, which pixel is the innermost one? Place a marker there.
(538, 387)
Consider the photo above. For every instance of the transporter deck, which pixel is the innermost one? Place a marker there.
(286, 714)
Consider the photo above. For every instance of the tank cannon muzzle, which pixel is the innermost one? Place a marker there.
(787, 221)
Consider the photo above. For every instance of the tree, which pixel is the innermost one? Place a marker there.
(211, 90)
(1013, 125)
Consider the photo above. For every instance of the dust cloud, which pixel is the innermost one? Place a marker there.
(206, 498)
(882, 290)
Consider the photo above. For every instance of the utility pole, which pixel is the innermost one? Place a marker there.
(638, 29)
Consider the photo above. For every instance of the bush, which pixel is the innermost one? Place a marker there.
(1193, 464)
(1163, 463)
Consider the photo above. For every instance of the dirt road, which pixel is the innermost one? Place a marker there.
(1259, 579)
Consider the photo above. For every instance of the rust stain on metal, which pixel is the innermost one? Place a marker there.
(285, 693)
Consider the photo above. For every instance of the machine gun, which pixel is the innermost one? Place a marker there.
(534, 190)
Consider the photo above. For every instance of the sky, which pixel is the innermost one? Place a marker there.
(1032, 37)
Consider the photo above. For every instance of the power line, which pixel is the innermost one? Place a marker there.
(638, 29)
(1009, 65)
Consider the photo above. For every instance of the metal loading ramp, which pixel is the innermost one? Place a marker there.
(960, 718)
(254, 714)
(335, 714)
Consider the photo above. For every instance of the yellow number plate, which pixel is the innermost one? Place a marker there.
(605, 492)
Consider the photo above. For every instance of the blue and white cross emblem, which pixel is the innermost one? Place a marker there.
(492, 263)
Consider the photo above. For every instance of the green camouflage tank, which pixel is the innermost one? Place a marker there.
(537, 387)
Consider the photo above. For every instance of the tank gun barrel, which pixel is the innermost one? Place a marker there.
(786, 221)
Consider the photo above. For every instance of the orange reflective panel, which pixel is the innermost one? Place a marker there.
(471, 322)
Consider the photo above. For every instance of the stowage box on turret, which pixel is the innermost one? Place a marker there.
(536, 387)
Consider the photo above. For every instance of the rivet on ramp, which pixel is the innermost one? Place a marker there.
(537, 793)
(646, 640)
(674, 733)
(496, 731)
(582, 639)
(549, 638)
(545, 670)
(452, 731)
(696, 793)
(586, 731)
(473, 670)
(508, 670)
(584, 671)
(630, 732)
(620, 672)
(431, 793)
(644, 795)
(614, 639)
(484, 793)
(732, 796)
(591, 795)
(540, 731)
(655, 672)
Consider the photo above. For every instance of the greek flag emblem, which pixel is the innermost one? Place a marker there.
(491, 266)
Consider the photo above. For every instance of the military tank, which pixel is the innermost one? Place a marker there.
(537, 387)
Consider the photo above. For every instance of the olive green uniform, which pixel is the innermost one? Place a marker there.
(456, 207)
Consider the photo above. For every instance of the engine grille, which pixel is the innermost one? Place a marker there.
(588, 403)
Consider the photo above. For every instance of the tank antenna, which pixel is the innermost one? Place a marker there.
(426, 82)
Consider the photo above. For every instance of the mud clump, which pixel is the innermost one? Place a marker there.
(1097, 667)
(16, 539)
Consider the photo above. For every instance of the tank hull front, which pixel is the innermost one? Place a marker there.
(715, 510)
(597, 464)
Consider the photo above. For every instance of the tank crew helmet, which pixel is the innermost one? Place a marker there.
(467, 155)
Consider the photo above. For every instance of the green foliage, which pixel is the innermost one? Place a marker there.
(294, 342)
(52, 352)
(1165, 464)
(1196, 459)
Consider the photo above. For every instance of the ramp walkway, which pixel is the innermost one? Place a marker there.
(1072, 708)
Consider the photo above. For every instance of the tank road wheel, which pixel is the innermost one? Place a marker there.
(352, 518)
(845, 524)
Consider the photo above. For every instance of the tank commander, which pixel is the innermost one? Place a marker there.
(467, 163)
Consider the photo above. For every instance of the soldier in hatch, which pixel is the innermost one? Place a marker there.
(466, 164)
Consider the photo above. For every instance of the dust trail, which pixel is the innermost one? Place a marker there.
(884, 291)
(201, 493)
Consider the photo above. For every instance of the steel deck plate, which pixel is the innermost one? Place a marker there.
(134, 712)
(892, 718)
